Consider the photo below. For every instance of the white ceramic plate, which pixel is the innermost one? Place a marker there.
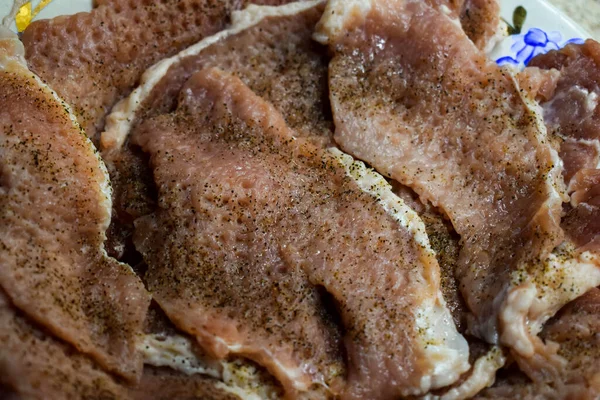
(544, 28)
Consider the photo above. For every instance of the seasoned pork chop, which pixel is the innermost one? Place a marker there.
(269, 48)
(94, 59)
(576, 330)
(54, 209)
(480, 19)
(414, 98)
(34, 365)
(257, 231)
(571, 109)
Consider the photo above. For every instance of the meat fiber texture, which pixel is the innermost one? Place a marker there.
(54, 209)
(269, 48)
(413, 97)
(251, 241)
(94, 59)
(571, 86)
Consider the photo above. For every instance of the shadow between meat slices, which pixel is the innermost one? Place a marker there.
(54, 210)
(413, 97)
(253, 224)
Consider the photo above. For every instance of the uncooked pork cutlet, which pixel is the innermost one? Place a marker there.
(94, 59)
(575, 329)
(253, 243)
(54, 209)
(416, 99)
(582, 220)
(571, 106)
(34, 365)
(269, 48)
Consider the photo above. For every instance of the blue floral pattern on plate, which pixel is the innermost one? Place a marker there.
(535, 41)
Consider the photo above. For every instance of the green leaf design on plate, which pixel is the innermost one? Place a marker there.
(518, 19)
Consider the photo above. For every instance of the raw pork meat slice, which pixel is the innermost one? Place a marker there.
(575, 329)
(269, 48)
(412, 96)
(258, 233)
(54, 209)
(571, 109)
(94, 59)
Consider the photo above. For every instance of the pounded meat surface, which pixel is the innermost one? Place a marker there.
(247, 208)
(571, 110)
(269, 49)
(54, 209)
(414, 98)
(480, 19)
(36, 366)
(275, 56)
(93, 59)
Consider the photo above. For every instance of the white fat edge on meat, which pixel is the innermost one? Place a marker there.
(482, 375)
(294, 376)
(123, 114)
(438, 337)
(533, 297)
(16, 63)
(499, 35)
(176, 352)
(337, 15)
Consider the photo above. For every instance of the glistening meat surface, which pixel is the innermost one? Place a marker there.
(412, 96)
(252, 237)
(94, 59)
(54, 209)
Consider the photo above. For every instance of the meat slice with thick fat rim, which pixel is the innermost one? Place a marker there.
(571, 108)
(258, 233)
(412, 96)
(94, 59)
(54, 209)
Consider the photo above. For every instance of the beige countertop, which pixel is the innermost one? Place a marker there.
(584, 12)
